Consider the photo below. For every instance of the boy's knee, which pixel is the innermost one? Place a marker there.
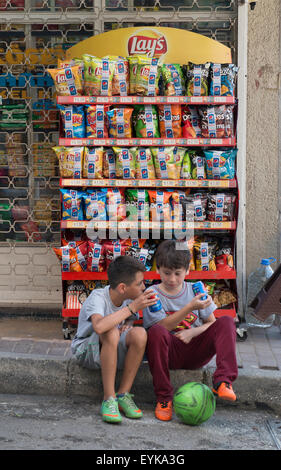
(137, 336)
(157, 331)
(112, 336)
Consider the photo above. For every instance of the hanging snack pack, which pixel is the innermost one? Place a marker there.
(191, 127)
(217, 121)
(179, 153)
(170, 120)
(133, 68)
(81, 249)
(93, 160)
(72, 204)
(70, 161)
(119, 123)
(113, 249)
(137, 204)
(220, 164)
(198, 171)
(164, 162)
(147, 76)
(176, 203)
(173, 79)
(197, 79)
(160, 208)
(96, 120)
(67, 80)
(223, 79)
(98, 75)
(204, 254)
(95, 204)
(186, 169)
(116, 205)
(96, 257)
(125, 162)
(195, 207)
(120, 83)
(221, 207)
(145, 121)
(73, 120)
(109, 165)
(68, 258)
(144, 163)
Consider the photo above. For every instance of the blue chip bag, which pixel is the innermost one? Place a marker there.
(73, 119)
(223, 79)
(95, 204)
(220, 164)
(72, 204)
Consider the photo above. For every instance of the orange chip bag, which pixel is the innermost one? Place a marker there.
(96, 120)
(160, 208)
(67, 80)
(119, 123)
(69, 259)
(170, 120)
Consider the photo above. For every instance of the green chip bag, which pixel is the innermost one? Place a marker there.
(137, 204)
(145, 121)
(186, 172)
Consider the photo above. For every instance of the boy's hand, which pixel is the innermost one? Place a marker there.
(198, 304)
(185, 335)
(146, 299)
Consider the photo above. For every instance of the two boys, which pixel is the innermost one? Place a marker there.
(183, 334)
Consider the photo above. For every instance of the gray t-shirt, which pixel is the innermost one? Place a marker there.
(173, 303)
(99, 301)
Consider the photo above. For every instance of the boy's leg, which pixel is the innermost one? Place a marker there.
(108, 359)
(136, 339)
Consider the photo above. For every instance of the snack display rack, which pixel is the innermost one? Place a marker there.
(70, 312)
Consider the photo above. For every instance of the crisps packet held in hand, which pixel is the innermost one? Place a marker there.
(67, 80)
(197, 79)
(170, 120)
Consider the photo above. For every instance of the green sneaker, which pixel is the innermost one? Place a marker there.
(110, 412)
(127, 404)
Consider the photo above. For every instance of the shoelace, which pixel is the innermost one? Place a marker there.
(164, 404)
(128, 397)
(112, 405)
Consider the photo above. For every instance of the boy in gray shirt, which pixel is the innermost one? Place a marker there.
(106, 337)
(184, 333)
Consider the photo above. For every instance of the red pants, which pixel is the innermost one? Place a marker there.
(165, 351)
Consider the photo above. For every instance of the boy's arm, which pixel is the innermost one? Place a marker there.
(188, 334)
(171, 321)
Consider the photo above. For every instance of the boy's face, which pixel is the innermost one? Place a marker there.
(172, 278)
(136, 288)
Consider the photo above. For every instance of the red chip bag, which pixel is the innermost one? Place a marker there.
(113, 249)
(160, 208)
(96, 257)
(116, 206)
(191, 128)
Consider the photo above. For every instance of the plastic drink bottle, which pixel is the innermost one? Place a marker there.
(198, 288)
(256, 281)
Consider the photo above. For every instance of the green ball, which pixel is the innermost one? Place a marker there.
(194, 403)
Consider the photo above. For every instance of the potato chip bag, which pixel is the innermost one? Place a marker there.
(96, 121)
(70, 161)
(80, 254)
(98, 76)
(73, 120)
(177, 208)
(120, 83)
(68, 258)
(195, 207)
(67, 80)
(116, 206)
(191, 125)
(164, 163)
(137, 204)
(109, 164)
(186, 172)
(96, 257)
(93, 160)
(198, 171)
(170, 120)
(113, 249)
(221, 207)
(145, 121)
(125, 162)
(173, 79)
(160, 208)
(197, 79)
(62, 64)
(179, 153)
(72, 204)
(95, 204)
(223, 79)
(144, 163)
(147, 76)
(204, 254)
(220, 164)
(133, 68)
(217, 121)
(119, 123)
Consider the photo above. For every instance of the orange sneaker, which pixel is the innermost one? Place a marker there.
(164, 410)
(225, 391)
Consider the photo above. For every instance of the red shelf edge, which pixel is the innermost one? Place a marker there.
(206, 275)
(131, 99)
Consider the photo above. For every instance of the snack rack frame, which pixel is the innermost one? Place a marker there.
(72, 314)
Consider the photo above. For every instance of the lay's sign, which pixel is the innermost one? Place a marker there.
(170, 45)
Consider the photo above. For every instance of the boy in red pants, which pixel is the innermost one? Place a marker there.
(184, 333)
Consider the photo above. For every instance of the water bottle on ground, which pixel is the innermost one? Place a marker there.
(256, 281)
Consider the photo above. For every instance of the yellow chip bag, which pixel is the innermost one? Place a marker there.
(70, 161)
(67, 80)
(93, 160)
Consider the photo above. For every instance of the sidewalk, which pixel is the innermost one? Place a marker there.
(35, 359)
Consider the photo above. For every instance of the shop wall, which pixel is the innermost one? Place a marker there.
(263, 168)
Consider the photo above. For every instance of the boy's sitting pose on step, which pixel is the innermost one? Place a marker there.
(106, 337)
(184, 333)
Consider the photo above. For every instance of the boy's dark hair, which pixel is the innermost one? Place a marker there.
(124, 269)
(168, 256)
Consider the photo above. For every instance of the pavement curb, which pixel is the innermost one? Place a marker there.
(41, 375)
